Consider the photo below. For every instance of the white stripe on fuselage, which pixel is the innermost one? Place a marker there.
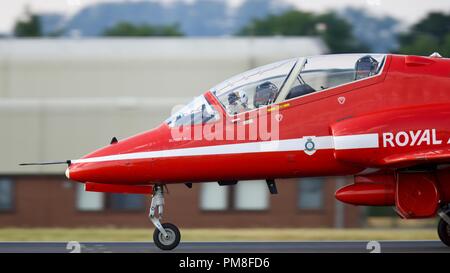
(356, 142)
(296, 144)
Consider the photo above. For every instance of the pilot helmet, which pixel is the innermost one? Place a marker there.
(243, 97)
(238, 96)
(365, 67)
(265, 93)
(232, 98)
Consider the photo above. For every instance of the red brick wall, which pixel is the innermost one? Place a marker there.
(50, 201)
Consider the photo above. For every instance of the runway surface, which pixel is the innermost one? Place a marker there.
(227, 247)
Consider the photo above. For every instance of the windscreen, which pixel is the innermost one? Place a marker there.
(198, 111)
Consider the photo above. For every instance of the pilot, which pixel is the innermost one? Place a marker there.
(265, 94)
(365, 67)
(237, 102)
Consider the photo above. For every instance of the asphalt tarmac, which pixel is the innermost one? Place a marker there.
(228, 247)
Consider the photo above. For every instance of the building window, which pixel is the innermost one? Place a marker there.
(251, 195)
(89, 201)
(127, 202)
(245, 195)
(213, 197)
(6, 195)
(310, 193)
(97, 201)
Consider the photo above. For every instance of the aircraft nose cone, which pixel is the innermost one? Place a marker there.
(79, 173)
(67, 173)
(84, 172)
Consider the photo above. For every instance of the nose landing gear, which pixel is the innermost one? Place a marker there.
(444, 226)
(166, 236)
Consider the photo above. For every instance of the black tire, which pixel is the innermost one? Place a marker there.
(167, 243)
(444, 232)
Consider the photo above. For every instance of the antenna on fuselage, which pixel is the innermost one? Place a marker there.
(435, 55)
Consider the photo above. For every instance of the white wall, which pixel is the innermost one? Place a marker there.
(62, 98)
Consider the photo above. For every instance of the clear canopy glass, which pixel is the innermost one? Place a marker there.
(329, 71)
(254, 88)
(280, 81)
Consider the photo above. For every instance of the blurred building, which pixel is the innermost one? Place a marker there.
(60, 99)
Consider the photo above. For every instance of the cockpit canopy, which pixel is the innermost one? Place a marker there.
(280, 81)
(254, 88)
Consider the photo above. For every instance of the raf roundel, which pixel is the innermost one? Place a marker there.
(309, 145)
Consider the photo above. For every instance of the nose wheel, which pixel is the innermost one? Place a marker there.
(168, 241)
(444, 227)
(166, 236)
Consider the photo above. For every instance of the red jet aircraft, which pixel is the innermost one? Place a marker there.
(382, 118)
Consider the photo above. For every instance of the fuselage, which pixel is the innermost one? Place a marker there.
(310, 138)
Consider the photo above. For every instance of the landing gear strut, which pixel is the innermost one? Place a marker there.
(444, 226)
(166, 236)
